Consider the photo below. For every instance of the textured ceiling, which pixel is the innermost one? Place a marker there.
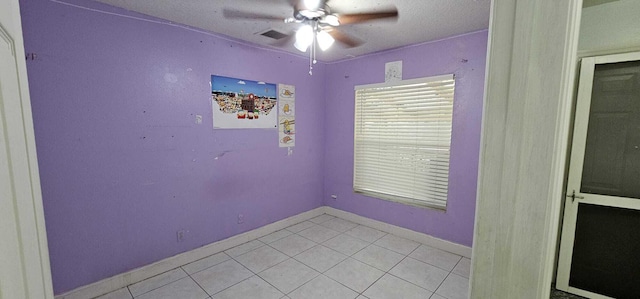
(419, 20)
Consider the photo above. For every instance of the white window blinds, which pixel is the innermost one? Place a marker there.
(402, 139)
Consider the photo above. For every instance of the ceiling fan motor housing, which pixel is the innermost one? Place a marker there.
(308, 14)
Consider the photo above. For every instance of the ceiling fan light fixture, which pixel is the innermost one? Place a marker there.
(332, 20)
(300, 47)
(325, 40)
(304, 38)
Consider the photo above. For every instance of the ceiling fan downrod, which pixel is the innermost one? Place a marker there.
(312, 48)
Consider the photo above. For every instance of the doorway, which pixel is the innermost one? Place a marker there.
(600, 235)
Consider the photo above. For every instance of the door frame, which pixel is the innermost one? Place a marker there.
(581, 122)
(531, 63)
(29, 269)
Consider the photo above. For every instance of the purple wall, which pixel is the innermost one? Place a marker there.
(463, 56)
(123, 164)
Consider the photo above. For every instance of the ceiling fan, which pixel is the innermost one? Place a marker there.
(319, 24)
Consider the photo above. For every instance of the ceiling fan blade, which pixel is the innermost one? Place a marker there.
(365, 17)
(340, 36)
(235, 14)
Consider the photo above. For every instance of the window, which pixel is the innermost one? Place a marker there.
(402, 139)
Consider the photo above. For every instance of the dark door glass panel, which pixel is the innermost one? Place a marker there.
(606, 252)
(612, 152)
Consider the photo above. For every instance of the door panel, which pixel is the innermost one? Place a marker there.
(601, 225)
(613, 144)
(605, 254)
(603, 159)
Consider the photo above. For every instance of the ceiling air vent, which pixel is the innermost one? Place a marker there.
(273, 34)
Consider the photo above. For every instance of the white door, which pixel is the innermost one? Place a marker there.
(600, 244)
(24, 258)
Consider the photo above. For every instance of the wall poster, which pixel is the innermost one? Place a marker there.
(287, 115)
(238, 103)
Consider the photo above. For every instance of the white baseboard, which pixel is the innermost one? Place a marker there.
(136, 275)
(401, 232)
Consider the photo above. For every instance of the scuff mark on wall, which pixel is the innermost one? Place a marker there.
(221, 154)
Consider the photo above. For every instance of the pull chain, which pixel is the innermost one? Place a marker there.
(311, 59)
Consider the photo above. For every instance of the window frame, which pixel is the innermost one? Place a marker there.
(438, 204)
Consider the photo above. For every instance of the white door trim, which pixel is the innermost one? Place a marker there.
(528, 92)
(26, 266)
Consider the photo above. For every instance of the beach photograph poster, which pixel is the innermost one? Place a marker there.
(241, 104)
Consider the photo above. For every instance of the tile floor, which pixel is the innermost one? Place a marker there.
(325, 257)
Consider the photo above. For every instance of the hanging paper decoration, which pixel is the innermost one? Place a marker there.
(286, 115)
